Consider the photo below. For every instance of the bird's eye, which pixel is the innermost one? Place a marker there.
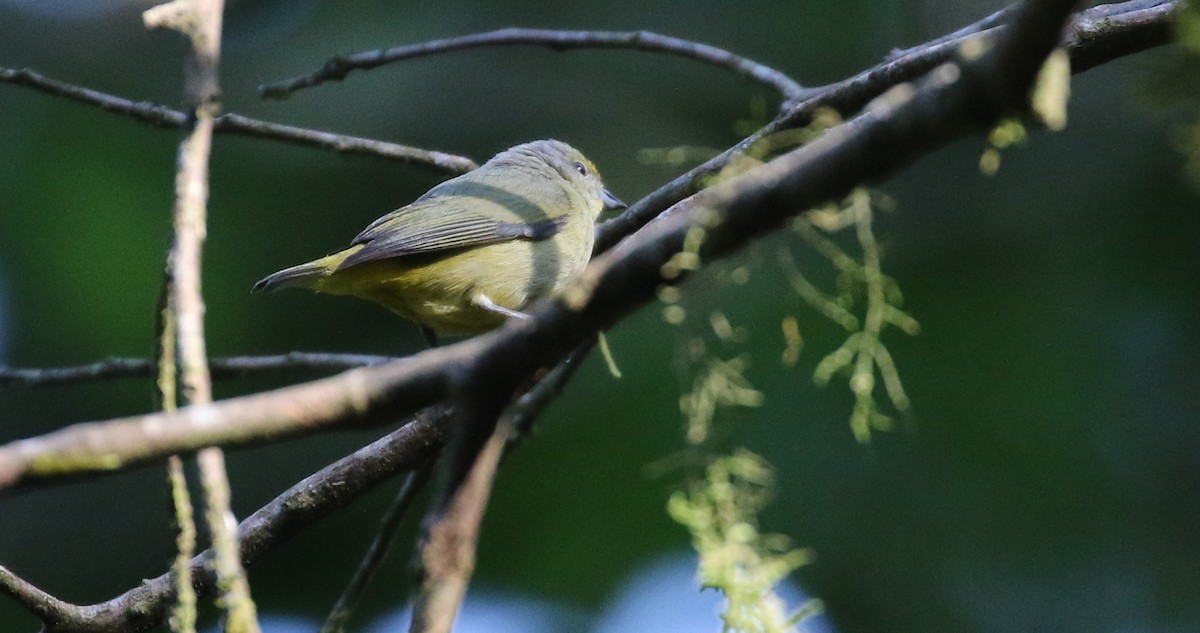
(581, 168)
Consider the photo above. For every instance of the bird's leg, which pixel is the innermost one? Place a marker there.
(486, 303)
(429, 334)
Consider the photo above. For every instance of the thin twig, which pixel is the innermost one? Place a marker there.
(389, 524)
(221, 367)
(530, 405)
(162, 116)
(338, 67)
(996, 19)
(200, 22)
(183, 614)
(448, 554)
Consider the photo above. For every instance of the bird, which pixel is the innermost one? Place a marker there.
(474, 250)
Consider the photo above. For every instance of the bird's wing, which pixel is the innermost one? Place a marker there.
(429, 226)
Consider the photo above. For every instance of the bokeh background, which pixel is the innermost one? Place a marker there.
(1047, 479)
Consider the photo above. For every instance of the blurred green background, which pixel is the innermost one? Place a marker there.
(1048, 478)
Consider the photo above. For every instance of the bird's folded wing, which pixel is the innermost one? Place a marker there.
(422, 227)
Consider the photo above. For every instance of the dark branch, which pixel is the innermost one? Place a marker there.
(162, 116)
(887, 136)
(337, 68)
(1104, 33)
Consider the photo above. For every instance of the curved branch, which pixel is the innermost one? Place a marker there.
(162, 116)
(36, 601)
(228, 367)
(1107, 32)
(338, 67)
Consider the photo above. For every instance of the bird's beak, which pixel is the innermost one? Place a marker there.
(611, 201)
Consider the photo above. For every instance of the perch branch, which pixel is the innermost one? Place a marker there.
(162, 116)
(946, 105)
(338, 67)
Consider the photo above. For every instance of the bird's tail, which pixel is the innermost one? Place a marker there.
(294, 276)
(308, 275)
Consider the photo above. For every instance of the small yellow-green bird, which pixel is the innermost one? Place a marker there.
(475, 249)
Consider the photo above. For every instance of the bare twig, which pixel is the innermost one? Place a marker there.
(183, 615)
(529, 406)
(221, 367)
(338, 67)
(162, 116)
(451, 539)
(996, 19)
(448, 554)
(335, 622)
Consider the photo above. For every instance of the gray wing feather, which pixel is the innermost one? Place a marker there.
(411, 231)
